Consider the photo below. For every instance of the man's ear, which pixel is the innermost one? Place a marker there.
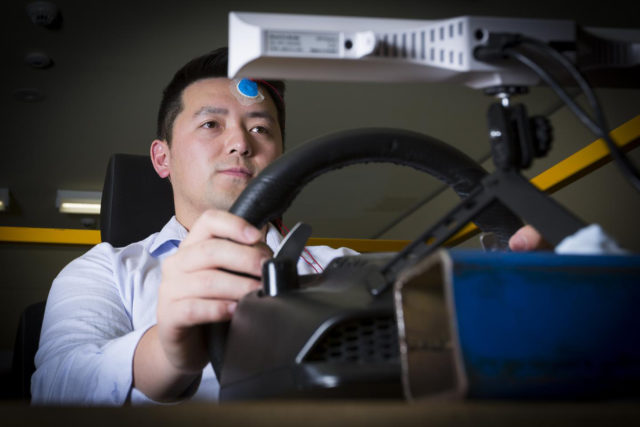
(160, 157)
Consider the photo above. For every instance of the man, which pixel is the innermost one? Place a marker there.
(125, 324)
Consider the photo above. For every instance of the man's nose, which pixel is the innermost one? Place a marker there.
(239, 142)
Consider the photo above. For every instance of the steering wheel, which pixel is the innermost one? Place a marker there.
(269, 195)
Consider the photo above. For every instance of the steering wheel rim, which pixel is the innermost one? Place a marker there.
(270, 194)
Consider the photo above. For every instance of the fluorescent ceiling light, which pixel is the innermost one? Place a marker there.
(80, 208)
(79, 202)
(4, 199)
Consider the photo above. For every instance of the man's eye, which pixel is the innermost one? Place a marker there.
(259, 129)
(210, 125)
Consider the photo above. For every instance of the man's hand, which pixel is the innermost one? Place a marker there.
(198, 286)
(527, 238)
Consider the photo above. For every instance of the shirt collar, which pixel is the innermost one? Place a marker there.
(172, 233)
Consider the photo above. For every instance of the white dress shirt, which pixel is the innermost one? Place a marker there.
(99, 307)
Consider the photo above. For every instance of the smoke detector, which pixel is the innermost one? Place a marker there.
(43, 13)
(38, 60)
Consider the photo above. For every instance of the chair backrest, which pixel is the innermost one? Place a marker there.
(136, 202)
(24, 350)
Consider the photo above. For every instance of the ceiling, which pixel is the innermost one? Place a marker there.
(112, 58)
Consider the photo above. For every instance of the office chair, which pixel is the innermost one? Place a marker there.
(136, 202)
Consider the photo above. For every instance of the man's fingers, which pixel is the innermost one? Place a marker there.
(222, 224)
(219, 253)
(216, 284)
(527, 238)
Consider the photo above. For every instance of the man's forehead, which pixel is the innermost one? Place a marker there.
(217, 92)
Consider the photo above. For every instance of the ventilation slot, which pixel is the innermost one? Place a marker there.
(400, 45)
(358, 341)
(436, 46)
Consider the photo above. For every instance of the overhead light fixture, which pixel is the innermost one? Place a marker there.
(4, 199)
(44, 13)
(79, 202)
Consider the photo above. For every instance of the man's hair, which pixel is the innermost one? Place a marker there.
(213, 64)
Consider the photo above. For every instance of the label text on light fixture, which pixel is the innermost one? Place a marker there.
(292, 42)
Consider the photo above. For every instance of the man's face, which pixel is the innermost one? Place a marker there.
(218, 145)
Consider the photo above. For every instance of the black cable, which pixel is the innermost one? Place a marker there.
(599, 129)
(577, 76)
(557, 88)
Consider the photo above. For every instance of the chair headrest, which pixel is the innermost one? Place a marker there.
(136, 202)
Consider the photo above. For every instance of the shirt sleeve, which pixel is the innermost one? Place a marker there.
(87, 340)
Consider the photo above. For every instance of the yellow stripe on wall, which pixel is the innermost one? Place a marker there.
(588, 159)
(63, 236)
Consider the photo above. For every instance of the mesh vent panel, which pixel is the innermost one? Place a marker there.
(358, 341)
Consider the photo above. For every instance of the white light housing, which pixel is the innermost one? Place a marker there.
(4, 199)
(79, 202)
(338, 48)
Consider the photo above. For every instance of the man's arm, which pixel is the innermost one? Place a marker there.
(87, 336)
(197, 287)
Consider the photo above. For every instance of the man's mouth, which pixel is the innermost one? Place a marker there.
(238, 172)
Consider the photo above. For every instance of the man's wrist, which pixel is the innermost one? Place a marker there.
(155, 375)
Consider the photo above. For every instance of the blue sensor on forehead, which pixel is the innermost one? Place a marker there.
(248, 88)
